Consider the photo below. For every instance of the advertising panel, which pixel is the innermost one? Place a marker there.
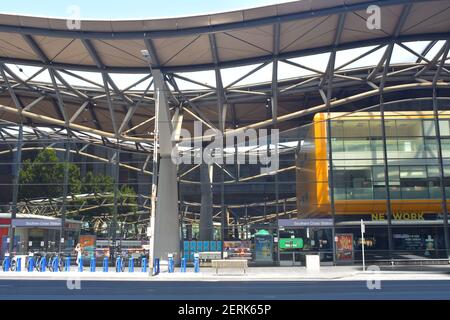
(87, 243)
(344, 247)
(263, 247)
(238, 249)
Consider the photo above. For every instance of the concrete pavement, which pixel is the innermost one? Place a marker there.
(338, 273)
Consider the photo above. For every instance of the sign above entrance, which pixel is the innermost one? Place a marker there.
(33, 223)
(305, 222)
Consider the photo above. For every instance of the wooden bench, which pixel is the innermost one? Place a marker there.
(229, 264)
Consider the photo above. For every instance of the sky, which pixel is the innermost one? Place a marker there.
(129, 9)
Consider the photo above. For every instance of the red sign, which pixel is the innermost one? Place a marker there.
(344, 247)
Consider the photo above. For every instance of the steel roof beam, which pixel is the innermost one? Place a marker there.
(234, 63)
(202, 30)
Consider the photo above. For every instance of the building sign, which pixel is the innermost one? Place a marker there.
(36, 223)
(399, 216)
(305, 223)
(344, 247)
(291, 243)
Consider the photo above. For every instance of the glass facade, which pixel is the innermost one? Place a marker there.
(404, 213)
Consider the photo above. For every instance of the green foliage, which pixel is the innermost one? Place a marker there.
(97, 184)
(43, 177)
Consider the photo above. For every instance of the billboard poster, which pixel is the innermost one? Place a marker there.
(263, 248)
(87, 243)
(238, 249)
(344, 247)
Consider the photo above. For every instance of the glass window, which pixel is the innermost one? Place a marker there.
(429, 129)
(409, 128)
(413, 172)
(433, 171)
(390, 128)
(336, 129)
(444, 127)
(378, 173)
(358, 128)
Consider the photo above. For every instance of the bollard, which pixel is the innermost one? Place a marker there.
(170, 265)
(105, 264)
(19, 264)
(183, 265)
(131, 265)
(67, 264)
(43, 264)
(55, 264)
(80, 264)
(119, 264)
(6, 263)
(196, 263)
(144, 264)
(30, 264)
(156, 267)
(92, 269)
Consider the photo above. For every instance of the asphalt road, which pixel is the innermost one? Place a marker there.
(225, 290)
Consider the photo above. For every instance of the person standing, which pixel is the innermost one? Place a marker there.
(78, 250)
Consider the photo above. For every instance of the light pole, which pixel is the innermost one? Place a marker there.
(363, 230)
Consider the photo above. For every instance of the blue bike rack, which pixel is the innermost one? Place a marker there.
(67, 264)
(144, 264)
(131, 265)
(171, 264)
(19, 265)
(105, 264)
(55, 264)
(80, 265)
(92, 269)
(156, 267)
(119, 264)
(183, 265)
(30, 264)
(43, 264)
(196, 264)
(7, 263)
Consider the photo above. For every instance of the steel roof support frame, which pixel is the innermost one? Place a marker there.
(66, 160)
(329, 75)
(439, 145)
(17, 161)
(388, 55)
(210, 29)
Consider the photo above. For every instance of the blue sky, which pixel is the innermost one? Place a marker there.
(127, 9)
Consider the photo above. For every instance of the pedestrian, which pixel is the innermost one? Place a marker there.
(78, 249)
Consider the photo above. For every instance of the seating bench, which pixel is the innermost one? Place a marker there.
(229, 264)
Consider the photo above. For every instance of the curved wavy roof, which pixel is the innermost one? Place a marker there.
(218, 40)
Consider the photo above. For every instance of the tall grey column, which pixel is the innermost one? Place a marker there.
(165, 229)
(206, 216)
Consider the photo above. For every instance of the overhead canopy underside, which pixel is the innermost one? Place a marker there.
(241, 37)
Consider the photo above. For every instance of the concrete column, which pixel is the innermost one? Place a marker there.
(165, 225)
(166, 236)
(206, 216)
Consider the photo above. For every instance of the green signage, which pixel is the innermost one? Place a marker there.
(291, 243)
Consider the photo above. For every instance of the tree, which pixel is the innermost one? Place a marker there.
(43, 177)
